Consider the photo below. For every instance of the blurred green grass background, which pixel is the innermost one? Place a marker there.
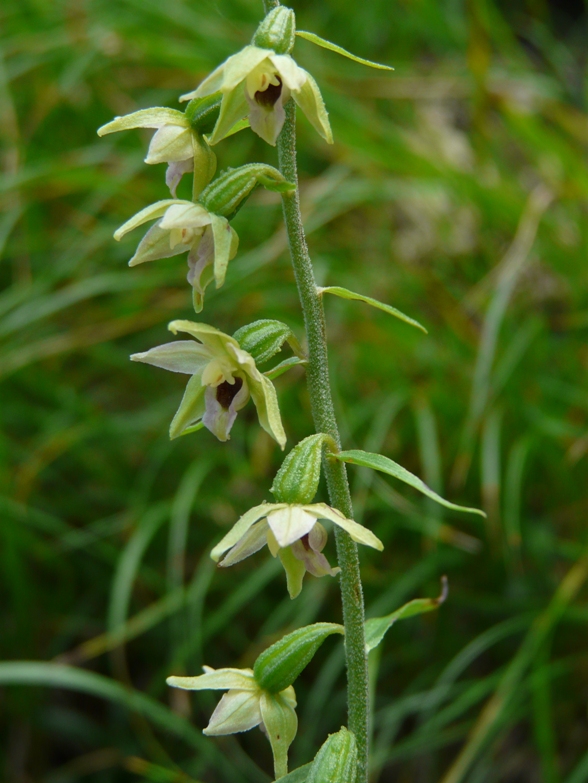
(457, 191)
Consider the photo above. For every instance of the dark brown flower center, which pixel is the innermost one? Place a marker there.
(268, 98)
(226, 392)
(305, 542)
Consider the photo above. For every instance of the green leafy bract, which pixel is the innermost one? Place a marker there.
(344, 293)
(377, 627)
(386, 465)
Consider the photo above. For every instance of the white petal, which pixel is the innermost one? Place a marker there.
(290, 523)
(236, 711)
(170, 143)
(291, 74)
(185, 215)
(216, 679)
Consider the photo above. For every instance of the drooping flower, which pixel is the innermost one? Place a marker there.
(257, 82)
(224, 376)
(293, 533)
(245, 706)
(175, 142)
(186, 226)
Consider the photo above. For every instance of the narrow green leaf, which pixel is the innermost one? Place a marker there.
(282, 367)
(54, 675)
(385, 465)
(316, 39)
(377, 627)
(346, 294)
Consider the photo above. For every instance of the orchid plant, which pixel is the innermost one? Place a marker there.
(260, 87)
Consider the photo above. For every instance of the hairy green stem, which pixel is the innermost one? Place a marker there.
(323, 412)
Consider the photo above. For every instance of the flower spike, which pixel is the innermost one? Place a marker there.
(223, 378)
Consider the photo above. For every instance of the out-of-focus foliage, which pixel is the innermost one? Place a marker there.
(456, 191)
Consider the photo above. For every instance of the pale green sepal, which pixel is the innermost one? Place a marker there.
(191, 408)
(216, 679)
(295, 571)
(336, 761)
(277, 31)
(377, 627)
(279, 666)
(239, 529)
(223, 237)
(154, 245)
(228, 75)
(281, 725)
(233, 109)
(358, 533)
(344, 293)
(282, 367)
(194, 428)
(299, 775)
(385, 465)
(183, 356)
(310, 100)
(298, 478)
(316, 39)
(263, 339)
(253, 540)
(209, 335)
(204, 164)
(238, 126)
(145, 118)
(265, 400)
(152, 212)
(237, 711)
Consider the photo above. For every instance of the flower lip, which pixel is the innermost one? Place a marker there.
(226, 392)
(270, 96)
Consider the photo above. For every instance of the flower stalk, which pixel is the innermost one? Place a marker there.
(323, 412)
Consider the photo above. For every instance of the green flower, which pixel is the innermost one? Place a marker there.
(186, 226)
(245, 706)
(175, 143)
(223, 378)
(292, 532)
(256, 82)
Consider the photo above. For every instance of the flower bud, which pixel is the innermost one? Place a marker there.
(279, 665)
(298, 478)
(336, 761)
(277, 31)
(202, 113)
(227, 194)
(263, 339)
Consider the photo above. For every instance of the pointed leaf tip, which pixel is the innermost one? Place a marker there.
(344, 293)
(377, 627)
(316, 39)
